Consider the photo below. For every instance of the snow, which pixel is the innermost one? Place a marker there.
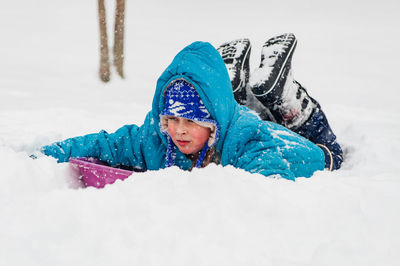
(346, 56)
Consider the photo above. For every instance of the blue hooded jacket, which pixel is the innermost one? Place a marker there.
(245, 141)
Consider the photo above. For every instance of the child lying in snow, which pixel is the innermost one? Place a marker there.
(195, 119)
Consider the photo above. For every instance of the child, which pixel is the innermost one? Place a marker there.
(194, 121)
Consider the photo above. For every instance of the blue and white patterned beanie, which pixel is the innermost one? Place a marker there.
(182, 100)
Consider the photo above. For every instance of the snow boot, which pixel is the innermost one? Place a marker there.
(268, 80)
(273, 84)
(236, 55)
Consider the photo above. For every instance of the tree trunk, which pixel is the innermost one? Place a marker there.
(104, 69)
(119, 37)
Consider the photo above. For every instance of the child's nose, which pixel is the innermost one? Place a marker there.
(181, 128)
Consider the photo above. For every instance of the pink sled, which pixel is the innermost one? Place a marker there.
(96, 173)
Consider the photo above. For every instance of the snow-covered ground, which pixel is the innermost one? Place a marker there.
(347, 57)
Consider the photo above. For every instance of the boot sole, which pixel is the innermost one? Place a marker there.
(281, 71)
(242, 83)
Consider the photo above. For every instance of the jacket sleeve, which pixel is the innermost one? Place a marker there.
(252, 151)
(126, 146)
(267, 161)
(270, 149)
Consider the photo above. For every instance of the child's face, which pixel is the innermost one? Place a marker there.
(188, 136)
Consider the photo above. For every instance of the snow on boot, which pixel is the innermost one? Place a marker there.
(294, 107)
(268, 80)
(236, 55)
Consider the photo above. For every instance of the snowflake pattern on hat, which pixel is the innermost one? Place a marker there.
(182, 100)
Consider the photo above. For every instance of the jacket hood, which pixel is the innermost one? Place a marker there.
(201, 65)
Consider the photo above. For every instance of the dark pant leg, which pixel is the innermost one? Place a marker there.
(318, 131)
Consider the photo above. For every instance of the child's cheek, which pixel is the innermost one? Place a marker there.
(201, 134)
(171, 129)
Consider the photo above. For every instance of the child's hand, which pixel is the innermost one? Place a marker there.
(36, 155)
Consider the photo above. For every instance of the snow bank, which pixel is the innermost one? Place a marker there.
(210, 216)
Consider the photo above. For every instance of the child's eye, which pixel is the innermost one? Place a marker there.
(172, 118)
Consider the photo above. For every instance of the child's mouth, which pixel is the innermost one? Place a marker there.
(183, 142)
